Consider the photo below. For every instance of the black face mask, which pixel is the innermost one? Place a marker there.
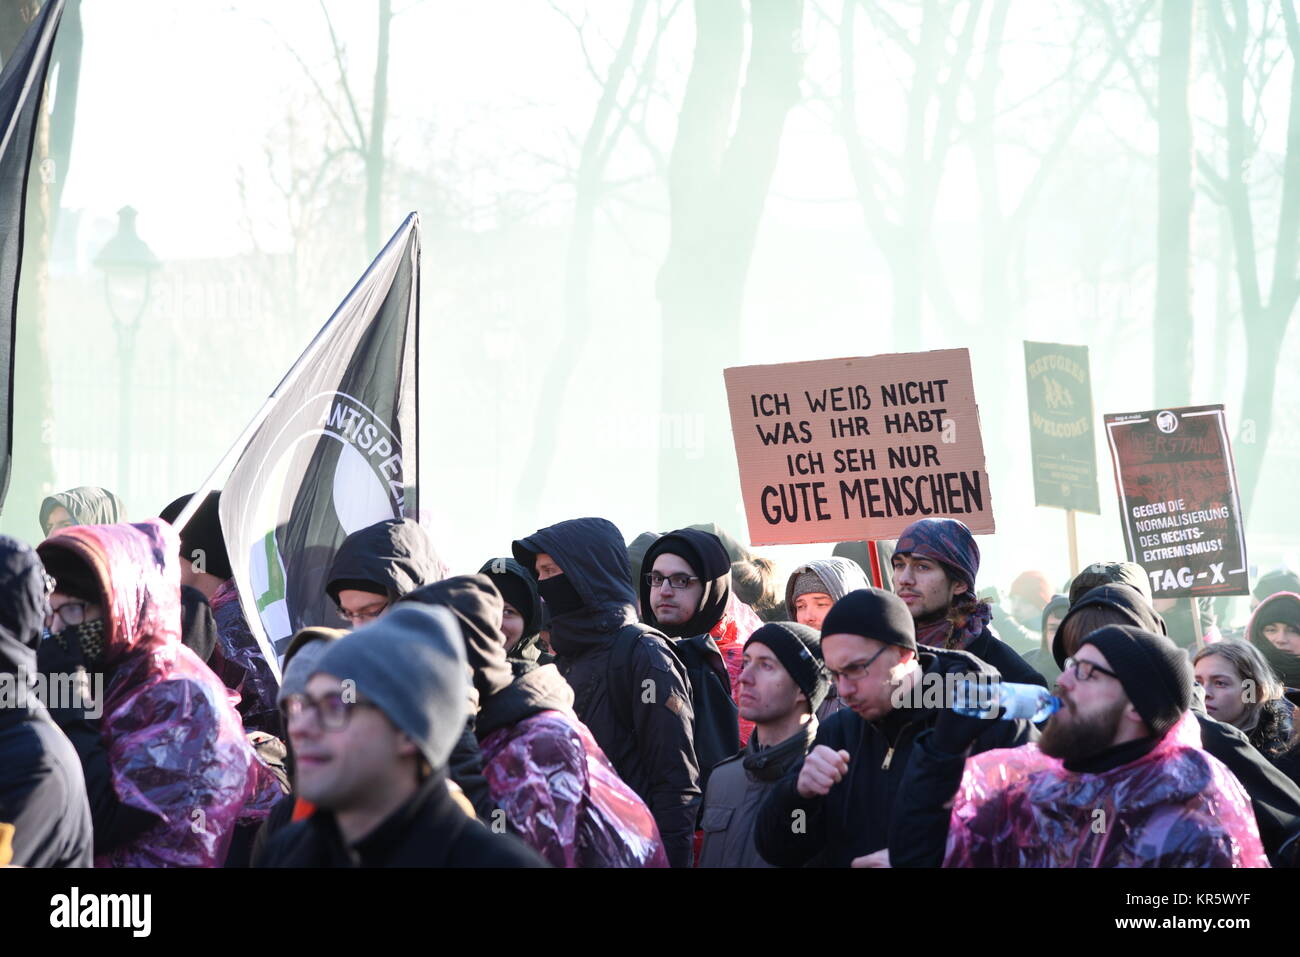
(560, 595)
(89, 636)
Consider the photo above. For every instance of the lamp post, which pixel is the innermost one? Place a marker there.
(128, 265)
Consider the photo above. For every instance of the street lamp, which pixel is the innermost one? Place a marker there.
(128, 265)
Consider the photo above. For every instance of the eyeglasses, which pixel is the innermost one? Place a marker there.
(1083, 670)
(856, 671)
(678, 582)
(330, 711)
(369, 613)
(70, 613)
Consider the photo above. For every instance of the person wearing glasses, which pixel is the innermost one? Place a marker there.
(377, 565)
(44, 815)
(1118, 778)
(372, 732)
(838, 807)
(170, 774)
(636, 705)
(685, 586)
(1274, 796)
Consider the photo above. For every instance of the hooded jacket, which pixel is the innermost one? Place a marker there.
(840, 575)
(859, 812)
(736, 790)
(86, 505)
(543, 768)
(42, 788)
(394, 555)
(519, 589)
(717, 725)
(1283, 606)
(170, 742)
(1174, 806)
(1123, 599)
(656, 757)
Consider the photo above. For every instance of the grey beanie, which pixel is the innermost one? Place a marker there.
(807, 583)
(411, 665)
(308, 647)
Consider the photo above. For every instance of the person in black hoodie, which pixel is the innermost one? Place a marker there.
(371, 735)
(844, 794)
(42, 787)
(1273, 795)
(552, 783)
(377, 565)
(685, 584)
(935, 563)
(646, 723)
(521, 620)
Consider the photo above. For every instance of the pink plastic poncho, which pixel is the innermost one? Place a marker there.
(563, 797)
(1176, 806)
(175, 742)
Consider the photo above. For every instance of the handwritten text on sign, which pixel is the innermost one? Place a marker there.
(848, 449)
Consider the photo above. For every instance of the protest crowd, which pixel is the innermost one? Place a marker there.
(582, 701)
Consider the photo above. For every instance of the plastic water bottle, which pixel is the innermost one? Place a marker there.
(1005, 700)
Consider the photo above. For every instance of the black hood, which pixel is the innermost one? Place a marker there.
(1123, 599)
(736, 552)
(87, 504)
(1284, 607)
(24, 604)
(519, 588)
(708, 559)
(477, 605)
(591, 553)
(395, 554)
(537, 689)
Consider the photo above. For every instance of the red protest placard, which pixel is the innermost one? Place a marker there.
(851, 449)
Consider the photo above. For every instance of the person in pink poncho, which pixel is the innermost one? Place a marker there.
(169, 771)
(1117, 779)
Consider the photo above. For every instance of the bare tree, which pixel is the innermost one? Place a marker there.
(718, 183)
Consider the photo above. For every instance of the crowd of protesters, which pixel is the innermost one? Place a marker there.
(584, 702)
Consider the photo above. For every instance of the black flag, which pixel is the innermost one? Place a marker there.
(336, 450)
(22, 84)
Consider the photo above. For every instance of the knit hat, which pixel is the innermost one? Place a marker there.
(1124, 601)
(202, 533)
(872, 613)
(1278, 580)
(72, 576)
(808, 583)
(302, 657)
(411, 665)
(944, 540)
(1155, 673)
(799, 649)
(519, 589)
(1110, 573)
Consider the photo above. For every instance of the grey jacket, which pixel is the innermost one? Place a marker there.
(735, 792)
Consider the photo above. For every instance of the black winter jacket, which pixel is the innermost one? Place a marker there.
(42, 788)
(429, 830)
(861, 812)
(657, 757)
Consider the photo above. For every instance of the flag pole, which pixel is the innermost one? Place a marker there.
(250, 430)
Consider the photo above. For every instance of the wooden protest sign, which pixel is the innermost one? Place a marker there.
(850, 449)
(1062, 441)
(1178, 500)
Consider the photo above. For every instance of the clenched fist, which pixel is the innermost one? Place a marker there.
(822, 769)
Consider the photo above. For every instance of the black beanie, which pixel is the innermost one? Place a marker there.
(72, 576)
(202, 533)
(872, 613)
(799, 649)
(519, 589)
(1155, 673)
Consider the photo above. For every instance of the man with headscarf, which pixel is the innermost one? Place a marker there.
(84, 505)
(685, 586)
(935, 563)
(169, 771)
(208, 585)
(42, 788)
(372, 733)
(1117, 779)
(641, 715)
(553, 785)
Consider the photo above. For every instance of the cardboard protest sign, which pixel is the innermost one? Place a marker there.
(1062, 442)
(1178, 500)
(849, 449)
